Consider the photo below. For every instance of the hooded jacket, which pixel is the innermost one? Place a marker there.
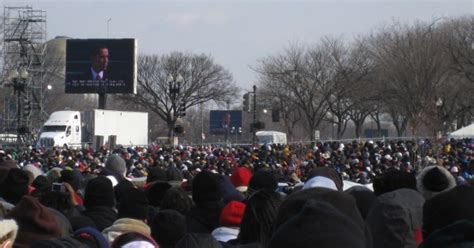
(395, 219)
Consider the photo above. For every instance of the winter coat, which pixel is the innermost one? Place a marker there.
(396, 218)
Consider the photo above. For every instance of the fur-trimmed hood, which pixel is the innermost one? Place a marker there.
(433, 180)
(9, 229)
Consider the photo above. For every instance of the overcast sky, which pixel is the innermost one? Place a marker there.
(235, 33)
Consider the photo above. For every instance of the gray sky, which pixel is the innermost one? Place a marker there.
(235, 33)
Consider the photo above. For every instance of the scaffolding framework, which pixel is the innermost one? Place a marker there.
(24, 45)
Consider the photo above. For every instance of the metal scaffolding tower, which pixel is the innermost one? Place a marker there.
(24, 44)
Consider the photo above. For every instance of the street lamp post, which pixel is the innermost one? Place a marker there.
(439, 106)
(19, 84)
(174, 86)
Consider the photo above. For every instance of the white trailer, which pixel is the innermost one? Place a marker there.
(76, 129)
(271, 137)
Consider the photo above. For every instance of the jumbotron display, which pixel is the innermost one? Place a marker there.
(101, 66)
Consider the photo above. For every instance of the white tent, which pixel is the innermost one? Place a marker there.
(465, 132)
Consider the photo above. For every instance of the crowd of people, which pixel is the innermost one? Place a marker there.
(326, 194)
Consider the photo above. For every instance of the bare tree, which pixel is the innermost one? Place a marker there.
(411, 66)
(303, 74)
(340, 85)
(204, 81)
(290, 114)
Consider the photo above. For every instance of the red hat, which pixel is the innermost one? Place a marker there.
(232, 214)
(240, 178)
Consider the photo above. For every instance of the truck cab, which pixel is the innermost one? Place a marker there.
(61, 128)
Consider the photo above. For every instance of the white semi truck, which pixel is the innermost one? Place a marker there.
(95, 127)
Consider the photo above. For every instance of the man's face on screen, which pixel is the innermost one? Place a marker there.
(101, 60)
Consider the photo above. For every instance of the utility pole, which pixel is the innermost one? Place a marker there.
(254, 128)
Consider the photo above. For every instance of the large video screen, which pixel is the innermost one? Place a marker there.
(222, 121)
(101, 66)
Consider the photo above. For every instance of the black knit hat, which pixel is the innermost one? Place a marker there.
(206, 187)
(14, 186)
(448, 207)
(318, 224)
(42, 183)
(121, 188)
(263, 180)
(133, 204)
(168, 227)
(99, 192)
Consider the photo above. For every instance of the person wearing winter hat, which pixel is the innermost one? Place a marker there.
(320, 182)
(240, 178)
(42, 184)
(134, 240)
(8, 231)
(14, 186)
(125, 225)
(121, 188)
(115, 169)
(263, 180)
(395, 219)
(204, 216)
(99, 202)
(133, 204)
(230, 219)
(433, 180)
(132, 214)
(328, 173)
(168, 227)
(329, 228)
(35, 222)
(448, 207)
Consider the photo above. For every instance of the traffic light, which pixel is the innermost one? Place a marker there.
(275, 115)
(26, 107)
(246, 104)
(182, 109)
